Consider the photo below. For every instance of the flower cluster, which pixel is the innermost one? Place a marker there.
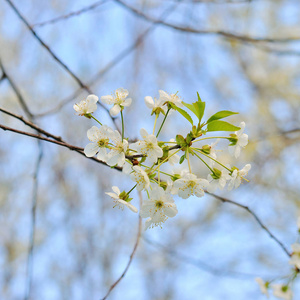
(145, 160)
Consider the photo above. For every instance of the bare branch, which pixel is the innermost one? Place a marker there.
(224, 34)
(131, 255)
(71, 14)
(272, 236)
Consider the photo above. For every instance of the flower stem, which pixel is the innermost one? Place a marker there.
(163, 122)
(211, 137)
(188, 159)
(204, 163)
(122, 125)
(165, 160)
(196, 149)
(96, 119)
(156, 117)
(131, 190)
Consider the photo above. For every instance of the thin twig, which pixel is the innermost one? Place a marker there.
(60, 143)
(222, 33)
(71, 14)
(131, 255)
(29, 267)
(272, 236)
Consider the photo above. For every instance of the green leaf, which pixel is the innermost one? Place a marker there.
(182, 159)
(200, 107)
(180, 140)
(190, 107)
(199, 98)
(184, 113)
(221, 126)
(220, 115)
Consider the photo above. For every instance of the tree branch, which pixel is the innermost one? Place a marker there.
(272, 236)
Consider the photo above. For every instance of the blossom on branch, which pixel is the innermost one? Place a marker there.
(148, 146)
(87, 106)
(140, 177)
(263, 286)
(238, 140)
(159, 207)
(282, 291)
(119, 201)
(119, 101)
(100, 139)
(157, 106)
(189, 185)
(236, 177)
(170, 98)
(117, 155)
(217, 180)
(295, 259)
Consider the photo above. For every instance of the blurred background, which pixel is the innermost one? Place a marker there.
(239, 55)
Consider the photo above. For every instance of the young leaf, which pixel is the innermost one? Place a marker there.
(182, 159)
(184, 113)
(200, 107)
(220, 115)
(221, 126)
(190, 107)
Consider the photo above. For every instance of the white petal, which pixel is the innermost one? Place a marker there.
(93, 134)
(91, 149)
(115, 110)
(116, 190)
(108, 99)
(149, 102)
(144, 133)
(127, 102)
(102, 154)
(92, 98)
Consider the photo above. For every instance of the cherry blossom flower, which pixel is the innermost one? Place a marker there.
(87, 106)
(127, 167)
(189, 185)
(217, 180)
(295, 258)
(117, 155)
(155, 105)
(148, 146)
(238, 140)
(119, 202)
(263, 286)
(140, 177)
(282, 291)
(171, 98)
(159, 207)
(119, 100)
(236, 177)
(100, 139)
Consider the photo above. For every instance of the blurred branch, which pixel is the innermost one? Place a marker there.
(71, 14)
(224, 34)
(131, 255)
(199, 263)
(32, 227)
(225, 200)
(16, 90)
(116, 60)
(75, 77)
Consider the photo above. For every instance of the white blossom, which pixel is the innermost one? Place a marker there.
(140, 177)
(282, 291)
(236, 177)
(155, 105)
(241, 141)
(127, 167)
(87, 106)
(159, 207)
(119, 101)
(117, 155)
(295, 258)
(263, 286)
(172, 98)
(189, 185)
(119, 202)
(148, 146)
(100, 139)
(219, 182)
